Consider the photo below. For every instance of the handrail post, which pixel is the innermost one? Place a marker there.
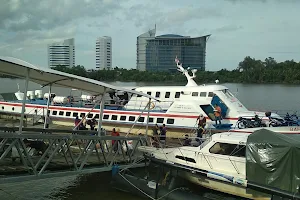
(101, 112)
(48, 102)
(24, 101)
(148, 114)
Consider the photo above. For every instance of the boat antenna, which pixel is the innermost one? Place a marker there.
(18, 87)
(185, 72)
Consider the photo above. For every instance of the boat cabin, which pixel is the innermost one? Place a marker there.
(222, 152)
(202, 98)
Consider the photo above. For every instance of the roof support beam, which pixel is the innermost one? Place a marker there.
(50, 83)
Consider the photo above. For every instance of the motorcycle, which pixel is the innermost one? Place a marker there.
(250, 122)
(292, 120)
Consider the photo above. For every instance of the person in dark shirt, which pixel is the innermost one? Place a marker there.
(92, 123)
(76, 122)
(201, 121)
(201, 125)
(163, 132)
(39, 146)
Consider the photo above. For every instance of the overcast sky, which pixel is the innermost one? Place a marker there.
(239, 28)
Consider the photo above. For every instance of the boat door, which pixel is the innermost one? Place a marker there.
(209, 111)
(216, 100)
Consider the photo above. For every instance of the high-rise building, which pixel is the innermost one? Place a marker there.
(104, 52)
(157, 53)
(141, 44)
(62, 53)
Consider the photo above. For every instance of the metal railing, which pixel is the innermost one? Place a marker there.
(62, 153)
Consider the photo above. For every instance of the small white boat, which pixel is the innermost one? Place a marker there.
(222, 160)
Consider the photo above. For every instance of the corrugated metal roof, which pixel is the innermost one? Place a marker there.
(45, 76)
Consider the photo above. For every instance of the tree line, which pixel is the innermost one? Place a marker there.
(249, 70)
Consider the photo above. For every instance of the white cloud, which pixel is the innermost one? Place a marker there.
(239, 27)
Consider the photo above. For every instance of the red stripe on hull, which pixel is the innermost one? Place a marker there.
(107, 111)
(283, 132)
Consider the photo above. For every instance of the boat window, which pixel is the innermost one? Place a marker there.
(48, 112)
(151, 120)
(97, 116)
(61, 113)
(160, 120)
(54, 112)
(114, 117)
(187, 159)
(141, 119)
(157, 94)
(131, 118)
(167, 95)
(170, 121)
(123, 118)
(195, 94)
(210, 94)
(149, 93)
(2, 107)
(202, 94)
(177, 95)
(139, 95)
(228, 149)
(90, 115)
(13, 108)
(105, 116)
(82, 115)
(68, 114)
(75, 114)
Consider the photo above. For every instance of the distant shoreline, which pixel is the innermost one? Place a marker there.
(249, 71)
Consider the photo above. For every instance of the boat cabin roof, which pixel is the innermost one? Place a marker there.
(204, 88)
(230, 137)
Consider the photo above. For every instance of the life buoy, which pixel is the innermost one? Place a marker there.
(152, 105)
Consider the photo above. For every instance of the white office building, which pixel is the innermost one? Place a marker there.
(103, 53)
(62, 53)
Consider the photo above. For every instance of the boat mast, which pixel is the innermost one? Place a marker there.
(190, 79)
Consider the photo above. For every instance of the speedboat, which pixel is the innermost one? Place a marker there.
(228, 161)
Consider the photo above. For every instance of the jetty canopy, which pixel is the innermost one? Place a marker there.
(273, 159)
(46, 76)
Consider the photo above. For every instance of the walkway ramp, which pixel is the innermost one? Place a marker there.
(37, 154)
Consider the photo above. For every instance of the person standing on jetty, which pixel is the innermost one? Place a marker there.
(48, 121)
(115, 146)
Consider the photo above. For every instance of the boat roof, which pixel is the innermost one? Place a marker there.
(230, 137)
(46, 76)
(204, 88)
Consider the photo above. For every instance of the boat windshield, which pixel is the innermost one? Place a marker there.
(206, 141)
